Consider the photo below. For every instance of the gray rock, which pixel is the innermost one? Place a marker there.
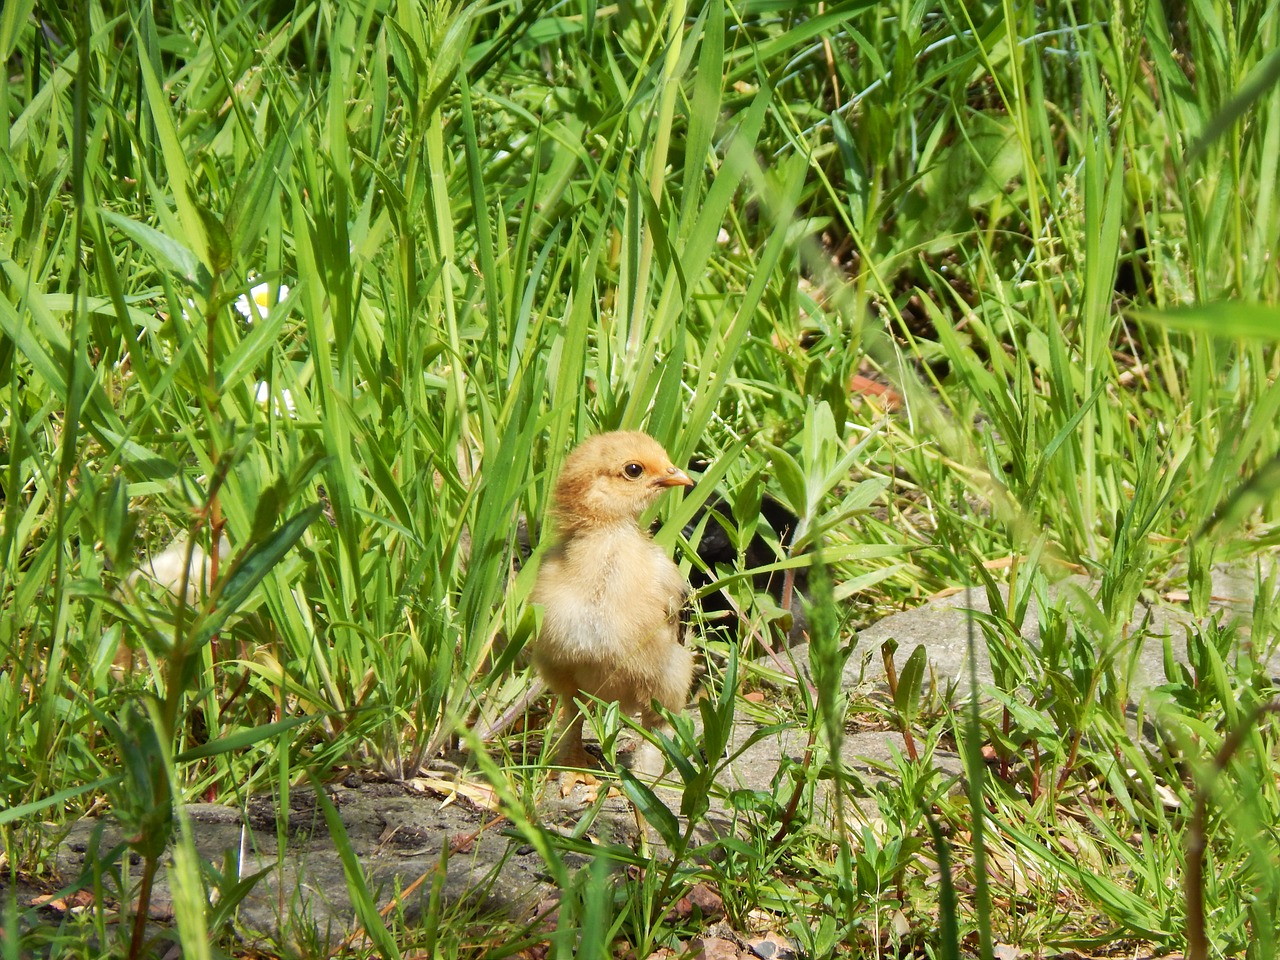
(399, 835)
(949, 630)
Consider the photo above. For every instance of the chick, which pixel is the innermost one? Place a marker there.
(611, 598)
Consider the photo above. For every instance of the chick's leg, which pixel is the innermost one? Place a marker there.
(670, 688)
(572, 753)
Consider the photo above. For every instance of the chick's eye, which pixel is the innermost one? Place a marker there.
(633, 470)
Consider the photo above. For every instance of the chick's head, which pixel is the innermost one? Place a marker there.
(613, 477)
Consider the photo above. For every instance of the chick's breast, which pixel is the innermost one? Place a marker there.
(610, 628)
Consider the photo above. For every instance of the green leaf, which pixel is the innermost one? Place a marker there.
(220, 254)
(948, 904)
(790, 479)
(176, 169)
(250, 569)
(1256, 491)
(118, 524)
(717, 716)
(651, 808)
(1226, 318)
(16, 13)
(255, 193)
(1061, 436)
(240, 740)
(141, 801)
(1260, 83)
(166, 251)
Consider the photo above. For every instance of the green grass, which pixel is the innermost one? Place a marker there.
(501, 228)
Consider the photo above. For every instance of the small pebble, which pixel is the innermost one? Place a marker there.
(713, 948)
(772, 947)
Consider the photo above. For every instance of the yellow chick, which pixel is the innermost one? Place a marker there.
(611, 598)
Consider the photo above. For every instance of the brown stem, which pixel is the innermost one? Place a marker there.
(150, 866)
(891, 675)
(788, 591)
(790, 813)
(1005, 722)
(1197, 840)
(829, 55)
(890, 668)
(216, 523)
(230, 700)
(1071, 760)
(910, 742)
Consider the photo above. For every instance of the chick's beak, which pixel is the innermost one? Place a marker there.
(675, 477)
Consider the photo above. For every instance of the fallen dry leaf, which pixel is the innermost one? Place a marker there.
(480, 794)
(77, 900)
(866, 387)
(901, 925)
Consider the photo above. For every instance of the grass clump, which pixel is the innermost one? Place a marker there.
(321, 294)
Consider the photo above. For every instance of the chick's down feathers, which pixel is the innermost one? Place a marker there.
(610, 596)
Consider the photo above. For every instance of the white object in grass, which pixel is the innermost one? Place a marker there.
(258, 304)
(262, 394)
(165, 568)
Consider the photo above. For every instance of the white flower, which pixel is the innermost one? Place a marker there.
(256, 306)
(262, 393)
